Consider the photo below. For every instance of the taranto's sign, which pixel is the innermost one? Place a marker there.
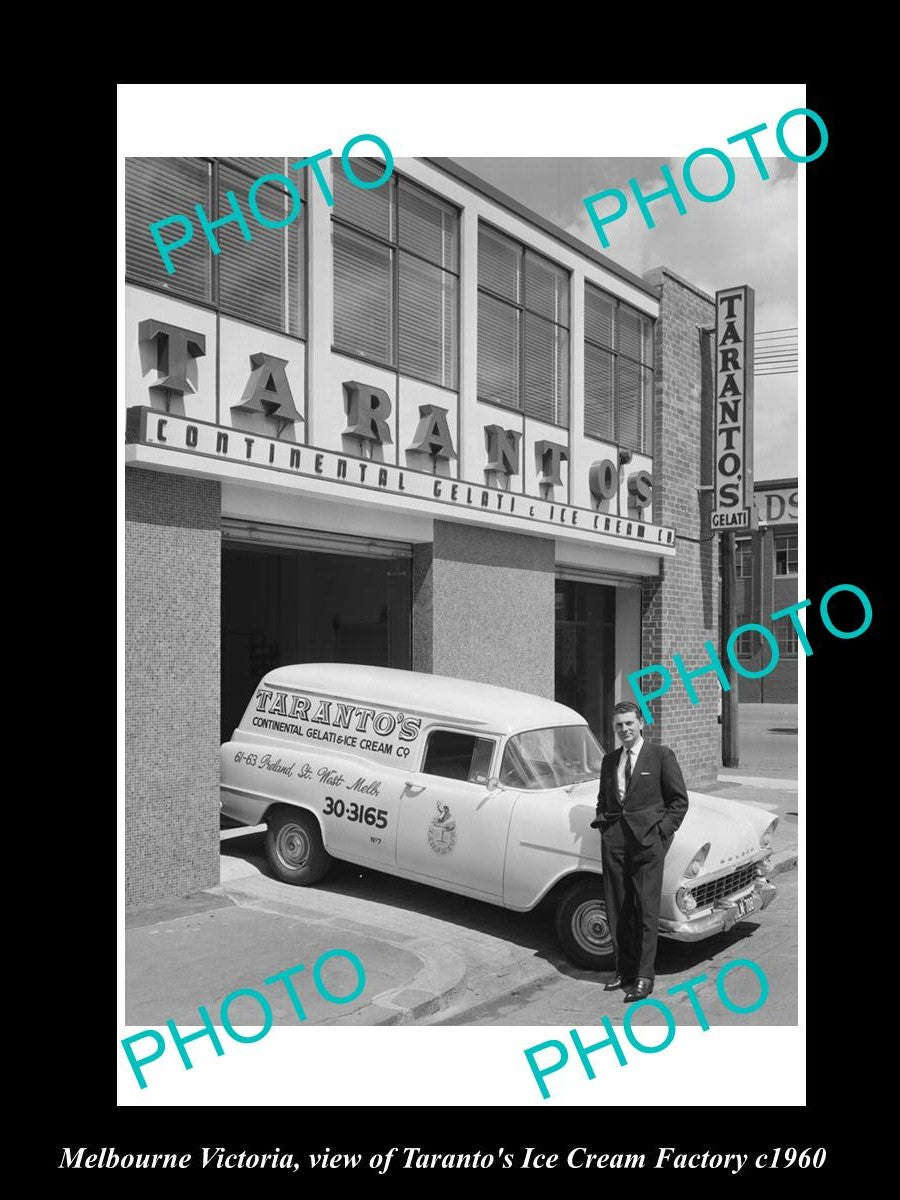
(733, 429)
(311, 468)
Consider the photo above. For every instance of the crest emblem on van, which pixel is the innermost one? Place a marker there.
(442, 830)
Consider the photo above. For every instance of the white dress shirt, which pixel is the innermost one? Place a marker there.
(635, 752)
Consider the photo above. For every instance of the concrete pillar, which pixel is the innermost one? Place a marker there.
(172, 639)
(681, 605)
(484, 608)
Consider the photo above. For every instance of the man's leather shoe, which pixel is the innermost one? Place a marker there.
(615, 983)
(639, 990)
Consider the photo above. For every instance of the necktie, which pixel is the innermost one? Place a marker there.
(627, 769)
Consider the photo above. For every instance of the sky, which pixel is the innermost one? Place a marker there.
(750, 236)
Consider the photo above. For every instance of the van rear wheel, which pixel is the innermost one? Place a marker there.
(294, 847)
(582, 927)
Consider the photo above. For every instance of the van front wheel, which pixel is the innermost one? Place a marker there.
(582, 926)
(294, 848)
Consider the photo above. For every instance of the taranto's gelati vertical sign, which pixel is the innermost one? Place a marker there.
(733, 489)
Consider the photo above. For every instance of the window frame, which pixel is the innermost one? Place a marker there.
(396, 249)
(788, 642)
(789, 550)
(743, 551)
(210, 202)
(616, 353)
(477, 737)
(521, 309)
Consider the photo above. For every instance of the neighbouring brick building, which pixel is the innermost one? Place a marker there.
(421, 427)
(766, 567)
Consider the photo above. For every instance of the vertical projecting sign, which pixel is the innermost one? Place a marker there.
(733, 491)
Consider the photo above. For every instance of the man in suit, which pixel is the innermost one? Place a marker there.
(641, 802)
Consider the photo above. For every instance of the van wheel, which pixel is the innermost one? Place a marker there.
(294, 848)
(583, 928)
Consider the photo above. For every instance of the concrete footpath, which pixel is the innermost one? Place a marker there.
(422, 949)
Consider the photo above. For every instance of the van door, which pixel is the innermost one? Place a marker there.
(452, 828)
(360, 806)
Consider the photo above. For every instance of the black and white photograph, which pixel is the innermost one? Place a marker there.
(463, 607)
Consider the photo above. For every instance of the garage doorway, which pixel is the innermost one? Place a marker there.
(308, 602)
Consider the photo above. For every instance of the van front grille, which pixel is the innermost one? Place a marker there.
(727, 885)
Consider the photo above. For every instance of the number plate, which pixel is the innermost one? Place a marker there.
(746, 905)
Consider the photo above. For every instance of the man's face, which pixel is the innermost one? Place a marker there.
(628, 727)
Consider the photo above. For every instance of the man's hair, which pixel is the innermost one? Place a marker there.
(625, 706)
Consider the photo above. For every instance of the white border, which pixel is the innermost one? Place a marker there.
(462, 1066)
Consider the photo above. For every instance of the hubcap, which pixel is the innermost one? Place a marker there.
(590, 928)
(292, 845)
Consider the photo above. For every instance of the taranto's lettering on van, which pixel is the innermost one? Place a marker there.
(333, 721)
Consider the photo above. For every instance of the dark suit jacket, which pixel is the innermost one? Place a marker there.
(656, 795)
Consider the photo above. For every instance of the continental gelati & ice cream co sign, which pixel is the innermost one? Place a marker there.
(308, 468)
(733, 430)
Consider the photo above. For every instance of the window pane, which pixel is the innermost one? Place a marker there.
(428, 226)
(787, 639)
(786, 555)
(631, 333)
(499, 264)
(362, 296)
(255, 167)
(453, 755)
(599, 312)
(427, 321)
(156, 188)
(598, 393)
(253, 276)
(629, 389)
(648, 340)
(647, 382)
(546, 288)
(546, 371)
(296, 276)
(369, 208)
(498, 352)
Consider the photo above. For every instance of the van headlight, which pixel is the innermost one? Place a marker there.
(686, 900)
(695, 866)
(766, 839)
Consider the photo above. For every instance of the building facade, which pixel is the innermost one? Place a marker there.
(766, 570)
(393, 417)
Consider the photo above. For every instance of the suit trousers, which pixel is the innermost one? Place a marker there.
(632, 887)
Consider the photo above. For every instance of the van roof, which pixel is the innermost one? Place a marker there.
(436, 697)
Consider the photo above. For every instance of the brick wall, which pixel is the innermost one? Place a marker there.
(680, 607)
(774, 593)
(172, 604)
(483, 607)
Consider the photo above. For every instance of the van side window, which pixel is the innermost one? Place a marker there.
(458, 756)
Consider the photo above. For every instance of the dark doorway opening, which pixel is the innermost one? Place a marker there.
(586, 653)
(282, 605)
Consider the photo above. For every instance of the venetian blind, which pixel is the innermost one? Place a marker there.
(427, 321)
(546, 370)
(363, 296)
(261, 280)
(428, 226)
(499, 265)
(156, 188)
(498, 351)
(629, 392)
(371, 209)
(599, 407)
(546, 288)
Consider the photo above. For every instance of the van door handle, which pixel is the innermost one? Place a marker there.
(411, 790)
